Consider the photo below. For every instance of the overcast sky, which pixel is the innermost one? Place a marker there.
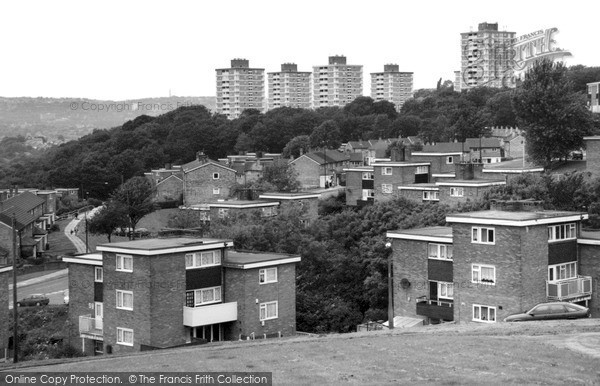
(128, 49)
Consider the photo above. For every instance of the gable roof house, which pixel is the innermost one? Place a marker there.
(205, 180)
(167, 183)
(485, 150)
(320, 168)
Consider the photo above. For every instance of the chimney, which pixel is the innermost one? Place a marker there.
(16, 189)
(201, 157)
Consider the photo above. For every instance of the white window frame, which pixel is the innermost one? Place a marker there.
(368, 176)
(431, 195)
(98, 274)
(476, 274)
(457, 192)
(443, 251)
(564, 271)
(267, 275)
(217, 296)
(562, 232)
(120, 302)
(216, 176)
(422, 170)
(216, 191)
(477, 234)
(386, 171)
(387, 188)
(264, 311)
(223, 212)
(445, 290)
(195, 260)
(121, 265)
(449, 159)
(121, 337)
(478, 317)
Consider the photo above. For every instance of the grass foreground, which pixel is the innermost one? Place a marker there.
(447, 354)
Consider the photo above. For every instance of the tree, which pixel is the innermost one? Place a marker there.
(326, 135)
(553, 117)
(135, 195)
(106, 220)
(296, 146)
(282, 175)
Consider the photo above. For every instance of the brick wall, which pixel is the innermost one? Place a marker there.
(400, 176)
(353, 187)
(170, 189)
(199, 184)
(589, 265)
(309, 172)
(5, 319)
(593, 156)
(438, 162)
(243, 286)
(409, 262)
(81, 295)
(413, 195)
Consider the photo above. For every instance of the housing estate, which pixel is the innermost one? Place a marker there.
(320, 168)
(489, 264)
(240, 87)
(157, 293)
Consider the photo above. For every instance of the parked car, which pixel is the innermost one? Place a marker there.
(34, 300)
(576, 155)
(547, 311)
(66, 297)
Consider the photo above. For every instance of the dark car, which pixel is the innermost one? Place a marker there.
(576, 155)
(34, 300)
(547, 311)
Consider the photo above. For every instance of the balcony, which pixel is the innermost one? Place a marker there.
(570, 290)
(90, 328)
(206, 315)
(436, 309)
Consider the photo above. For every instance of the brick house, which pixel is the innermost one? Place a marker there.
(224, 209)
(5, 319)
(442, 157)
(205, 180)
(592, 156)
(490, 264)
(485, 150)
(320, 169)
(308, 202)
(360, 186)
(388, 176)
(158, 293)
(167, 183)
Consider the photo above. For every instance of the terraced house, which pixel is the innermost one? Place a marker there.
(487, 265)
(148, 294)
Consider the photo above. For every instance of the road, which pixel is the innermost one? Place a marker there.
(53, 287)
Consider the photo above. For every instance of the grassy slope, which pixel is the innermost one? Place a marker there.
(467, 353)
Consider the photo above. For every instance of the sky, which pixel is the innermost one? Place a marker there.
(118, 50)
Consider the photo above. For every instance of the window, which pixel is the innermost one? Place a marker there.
(422, 170)
(483, 235)
(125, 336)
(124, 263)
(202, 297)
(98, 274)
(268, 311)
(450, 159)
(368, 176)
(223, 212)
(267, 275)
(440, 251)
(216, 190)
(202, 259)
(562, 271)
(457, 192)
(124, 300)
(269, 211)
(215, 176)
(484, 314)
(386, 188)
(445, 290)
(562, 232)
(386, 171)
(484, 274)
(431, 195)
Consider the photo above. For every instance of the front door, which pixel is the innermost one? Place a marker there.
(98, 314)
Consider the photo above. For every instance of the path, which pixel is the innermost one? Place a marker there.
(72, 227)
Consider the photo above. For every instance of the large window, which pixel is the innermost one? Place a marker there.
(445, 290)
(562, 232)
(125, 336)
(440, 251)
(483, 235)
(202, 259)
(368, 176)
(422, 170)
(485, 314)
(484, 274)
(269, 211)
(386, 188)
(124, 263)
(124, 300)
(386, 171)
(202, 297)
(431, 195)
(562, 271)
(98, 274)
(457, 192)
(267, 275)
(268, 311)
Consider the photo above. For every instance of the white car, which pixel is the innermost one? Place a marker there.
(66, 297)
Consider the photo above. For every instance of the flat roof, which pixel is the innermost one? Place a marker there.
(476, 182)
(439, 234)
(85, 258)
(167, 245)
(250, 259)
(289, 196)
(592, 137)
(242, 204)
(520, 218)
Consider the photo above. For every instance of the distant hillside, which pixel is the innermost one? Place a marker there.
(73, 118)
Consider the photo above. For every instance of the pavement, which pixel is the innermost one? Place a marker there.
(39, 279)
(71, 230)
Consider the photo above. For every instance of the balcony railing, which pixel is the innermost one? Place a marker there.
(206, 315)
(575, 289)
(90, 327)
(436, 309)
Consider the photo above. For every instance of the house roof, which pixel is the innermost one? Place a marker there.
(445, 147)
(485, 142)
(358, 144)
(248, 260)
(164, 179)
(327, 157)
(195, 164)
(23, 217)
(356, 157)
(26, 200)
(440, 234)
(521, 218)
(150, 247)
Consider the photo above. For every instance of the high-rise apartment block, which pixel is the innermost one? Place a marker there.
(239, 88)
(337, 83)
(593, 93)
(392, 85)
(289, 87)
(486, 57)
